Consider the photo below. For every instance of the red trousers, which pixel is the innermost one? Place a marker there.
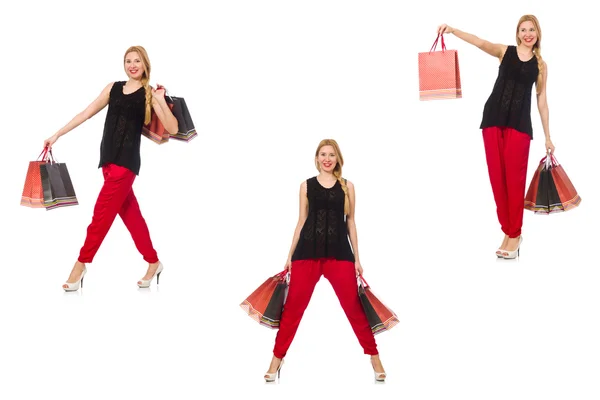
(304, 276)
(116, 197)
(507, 155)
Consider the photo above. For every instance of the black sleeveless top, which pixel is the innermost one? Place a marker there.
(123, 128)
(325, 233)
(509, 105)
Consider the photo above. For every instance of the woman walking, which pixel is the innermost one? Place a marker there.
(129, 108)
(506, 123)
(320, 246)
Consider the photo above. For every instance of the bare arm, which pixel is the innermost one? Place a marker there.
(351, 223)
(493, 49)
(164, 113)
(301, 219)
(542, 104)
(91, 110)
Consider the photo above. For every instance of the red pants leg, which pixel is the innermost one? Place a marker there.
(342, 276)
(117, 186)
(136, 225)
(507, 156)
(305, 275)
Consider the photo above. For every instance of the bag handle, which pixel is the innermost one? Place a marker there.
(362, 281)
(436, 42)
(167, 94)
(44, 154)
(283, 275)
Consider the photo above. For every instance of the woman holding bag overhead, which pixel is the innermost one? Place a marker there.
(506, 123)
(320, 247)
(130, 106)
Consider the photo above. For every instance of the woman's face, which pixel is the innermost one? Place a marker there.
(527, 33)
(133, 65)
(326, 158)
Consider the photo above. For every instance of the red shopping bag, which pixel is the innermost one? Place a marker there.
(532, 191)
(380, 317)
(33, 192)
(155, 130)
(439, 74)
(551, 190)
(566, 191)
(265, 304)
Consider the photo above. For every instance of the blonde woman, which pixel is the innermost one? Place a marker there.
(320, 247)
(506, 122)
(129, 107)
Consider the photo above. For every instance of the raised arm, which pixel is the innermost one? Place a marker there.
(351, 223)
(542, 104)
(493, 49)
(301, 219)
(98, 104)
(163, 111)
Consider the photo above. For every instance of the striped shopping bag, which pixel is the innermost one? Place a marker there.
(265, 304)
(439, 74)
(380, 317)
(33, 192)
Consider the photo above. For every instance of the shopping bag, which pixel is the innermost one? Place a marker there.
(56, 184)
(439, 74)
(155, 130)
(186, 131)
(551, 190)
(380, 317)
(531, 195)
(569, 198)
(265, 304)
(33, 192)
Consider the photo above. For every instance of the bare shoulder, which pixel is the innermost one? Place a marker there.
(350, 185)
(303, 186)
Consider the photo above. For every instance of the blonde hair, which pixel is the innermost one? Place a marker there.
(537, 47)
(337, 170)
(145, 77)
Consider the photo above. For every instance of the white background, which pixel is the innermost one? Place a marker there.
(266, 81)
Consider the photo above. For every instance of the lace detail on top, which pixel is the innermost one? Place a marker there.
(509, 105)
(123, 128)
(325, 233)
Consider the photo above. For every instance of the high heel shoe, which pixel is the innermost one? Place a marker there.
(271, 377)
(146, 283)
(510, 255)
(379, 376)
(73, 287)
(499, 253)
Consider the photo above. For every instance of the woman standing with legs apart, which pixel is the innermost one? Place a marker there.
(320, 247)
(506, 123)
(129, 109)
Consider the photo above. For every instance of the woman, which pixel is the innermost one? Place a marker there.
(506, 123)
(320, 247)
(129, 108)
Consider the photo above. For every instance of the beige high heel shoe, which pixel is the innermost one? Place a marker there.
(73, 287)
(379, 376)
(271, 377)
(146, 283)
(510, 255)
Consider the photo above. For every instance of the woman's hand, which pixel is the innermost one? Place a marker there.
(445, 29)
(358, 268)
(158, 93)
(50, 141)
(549, 146)
(288, 265)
